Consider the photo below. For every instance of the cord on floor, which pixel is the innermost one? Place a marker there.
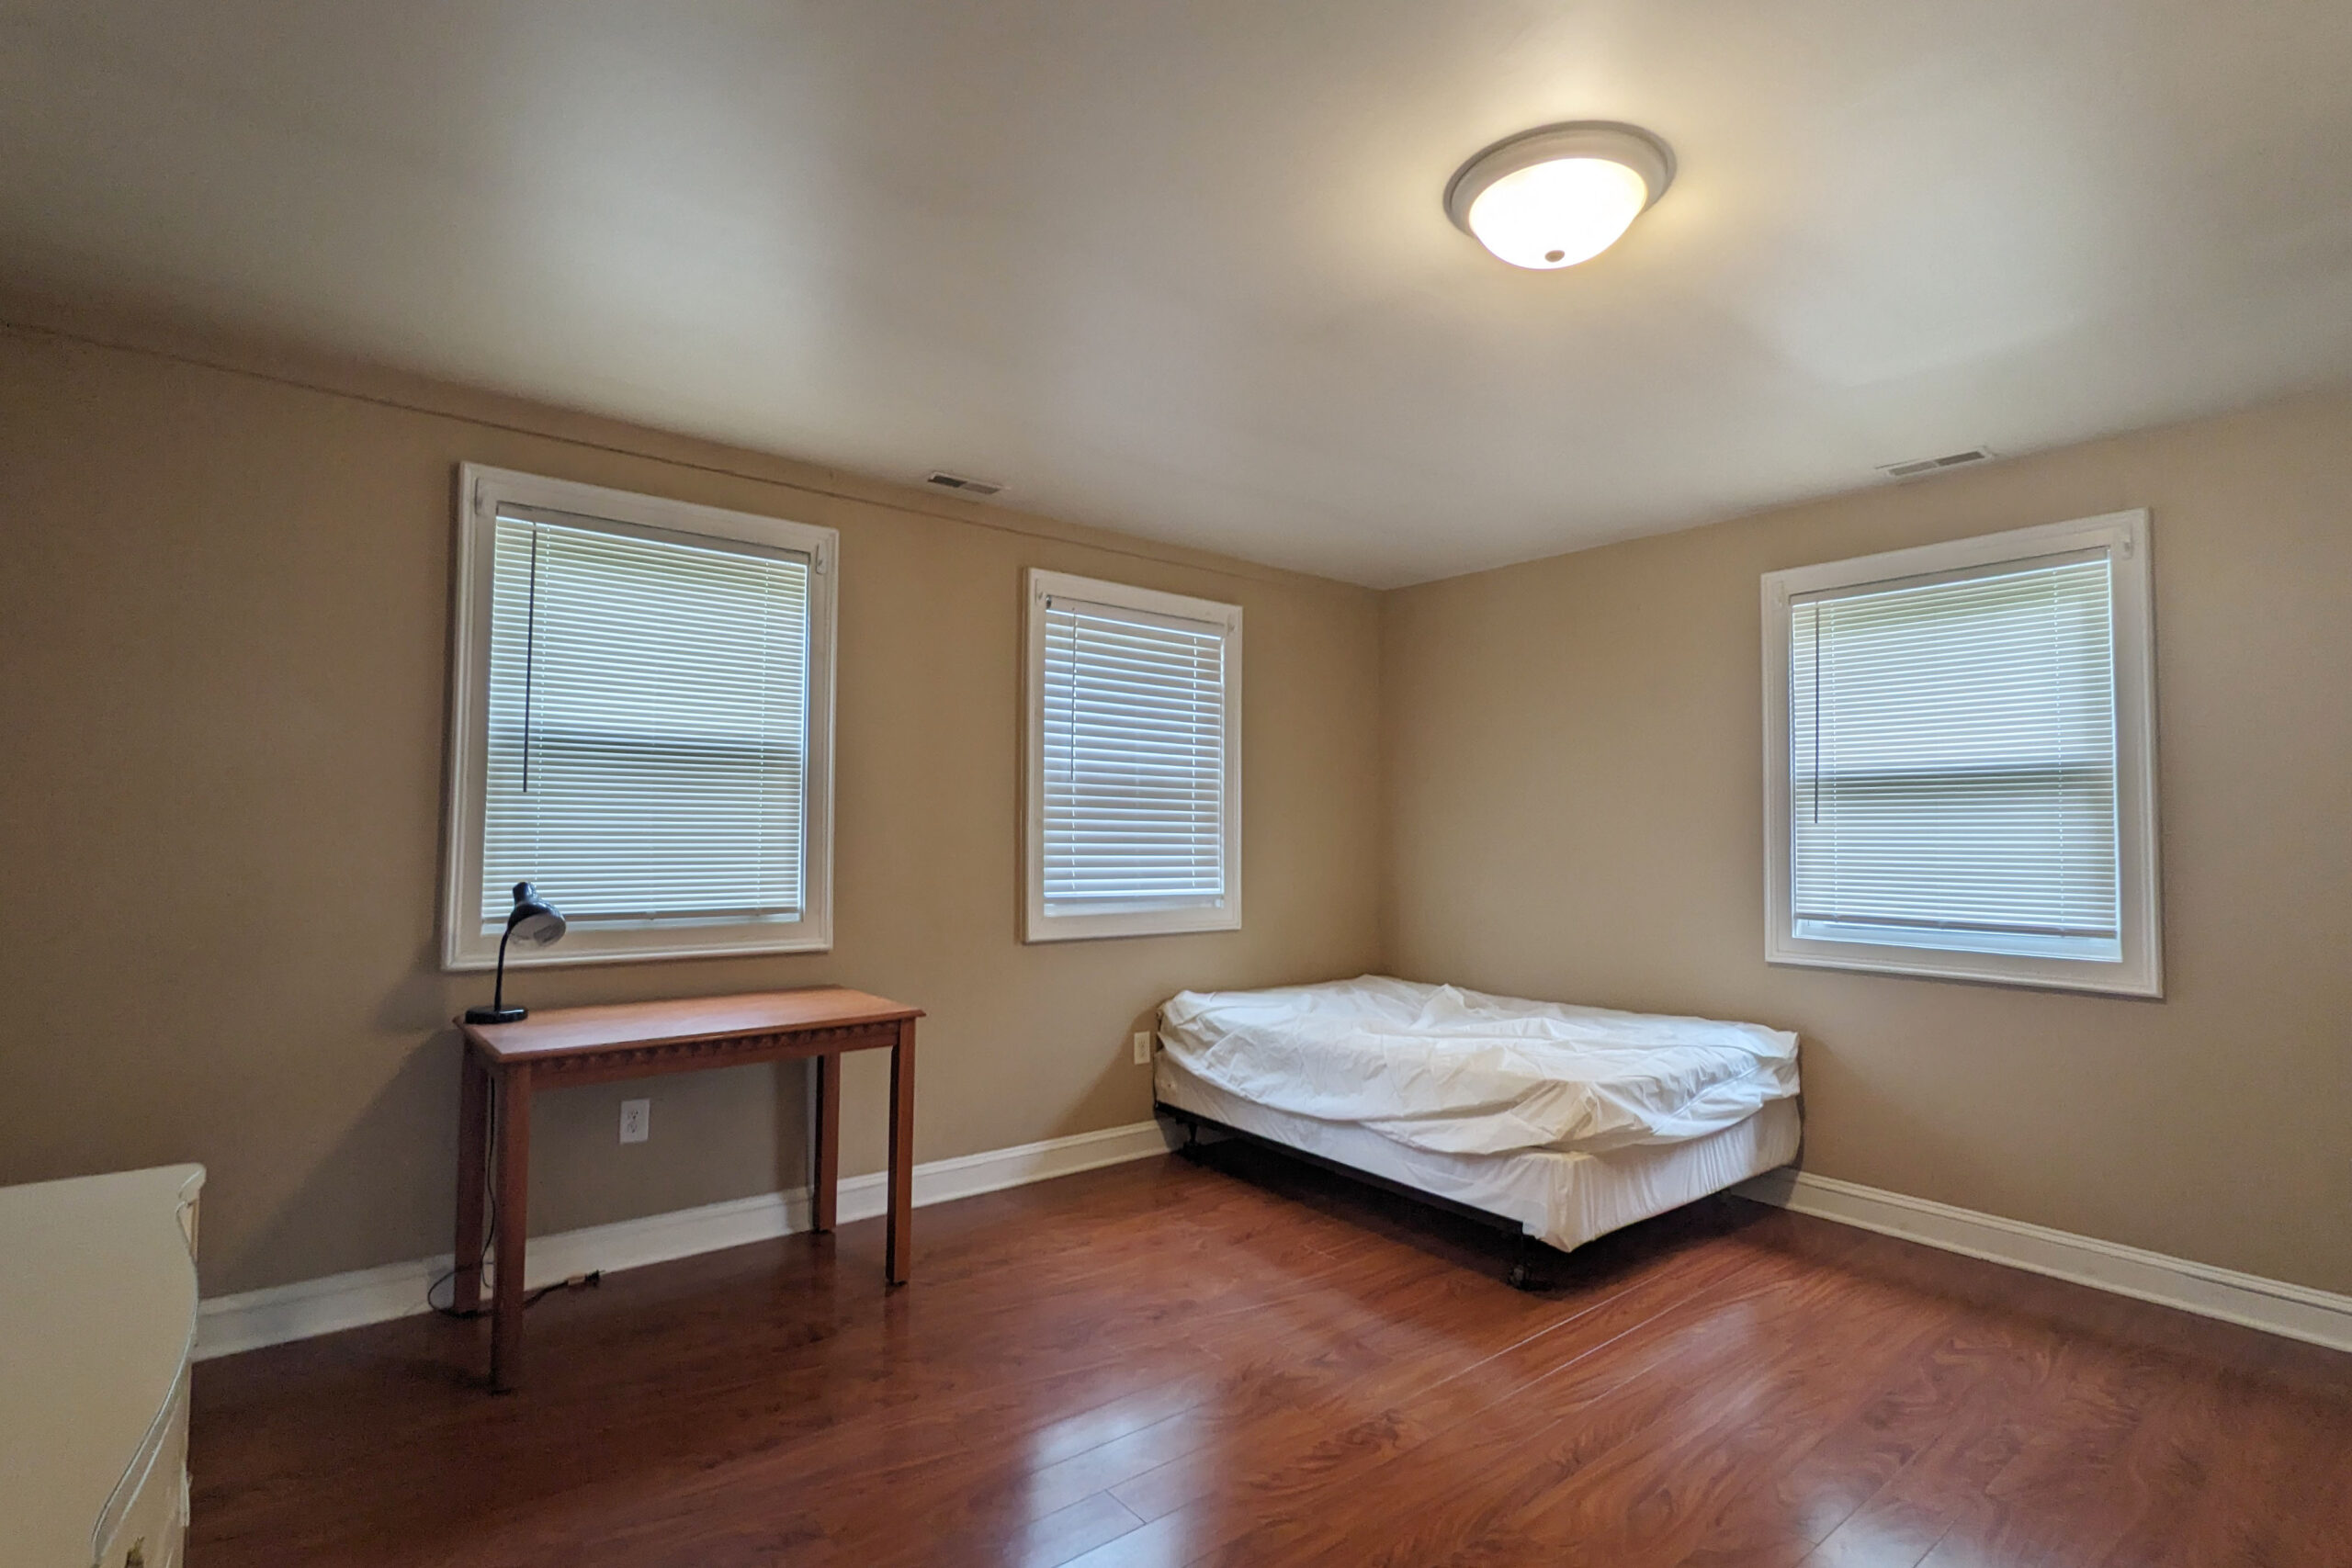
(489, 1237)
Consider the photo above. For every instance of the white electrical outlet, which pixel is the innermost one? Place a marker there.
(1143, 1048)
(636, 1121)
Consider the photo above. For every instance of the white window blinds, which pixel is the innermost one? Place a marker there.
(1952, 761)
(647, 756)
(1133, 708)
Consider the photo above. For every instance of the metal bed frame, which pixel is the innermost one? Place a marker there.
(1522, 1275)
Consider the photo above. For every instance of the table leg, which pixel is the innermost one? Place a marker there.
(825, 1181)
(473, 1176)
(513, 1225)
(898, 1249)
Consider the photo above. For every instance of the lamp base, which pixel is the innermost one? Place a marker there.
(497, 1015)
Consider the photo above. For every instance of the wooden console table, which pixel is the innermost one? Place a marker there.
(563, 1046)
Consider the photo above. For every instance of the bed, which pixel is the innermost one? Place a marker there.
(1558, 1124)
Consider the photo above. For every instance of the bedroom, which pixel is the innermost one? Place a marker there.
(1183, 281)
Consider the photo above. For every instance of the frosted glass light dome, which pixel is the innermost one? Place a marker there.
(1552, 197)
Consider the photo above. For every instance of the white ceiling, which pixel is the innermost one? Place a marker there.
(1180, 268)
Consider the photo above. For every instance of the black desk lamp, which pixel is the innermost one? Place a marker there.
(535, 922)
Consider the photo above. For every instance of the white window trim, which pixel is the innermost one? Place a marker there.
(1038, 926)
(2139, 972)
(480, 492)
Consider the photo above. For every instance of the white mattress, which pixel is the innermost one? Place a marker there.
(1562, 1198)
(1450, 1071)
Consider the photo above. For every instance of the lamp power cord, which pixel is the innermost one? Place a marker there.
(488, 1240)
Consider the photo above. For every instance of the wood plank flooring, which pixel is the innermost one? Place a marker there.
(1247, 1362)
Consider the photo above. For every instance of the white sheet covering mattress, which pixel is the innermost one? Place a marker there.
(1571, 1121)
(1564, 1199)
(1452, 1071)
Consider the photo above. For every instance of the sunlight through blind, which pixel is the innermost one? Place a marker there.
(648, 737)
(1134, 759)
(1952, 761)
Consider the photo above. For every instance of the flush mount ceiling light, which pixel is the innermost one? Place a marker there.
(1559, 195)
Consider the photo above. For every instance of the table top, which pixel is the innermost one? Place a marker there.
(566, 1032)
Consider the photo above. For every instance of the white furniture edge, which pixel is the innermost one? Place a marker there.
(151, 1445)
(281, 1313)
(98, 1294)
(2298, 1312)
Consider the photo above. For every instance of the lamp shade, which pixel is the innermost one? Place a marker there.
(534, 919)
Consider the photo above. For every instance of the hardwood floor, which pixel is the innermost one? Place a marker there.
(1252, 1363)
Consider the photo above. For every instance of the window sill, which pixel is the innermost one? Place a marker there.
(578, 948)
(2117, 979)
(1141, 922)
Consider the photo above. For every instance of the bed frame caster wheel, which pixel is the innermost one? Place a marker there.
(1528, 1253)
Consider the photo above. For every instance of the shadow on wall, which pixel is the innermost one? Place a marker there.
(1839, 1087)
(374, 1162)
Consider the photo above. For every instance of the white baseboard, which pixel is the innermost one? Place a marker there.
(254, 1318)
(2298, 1312)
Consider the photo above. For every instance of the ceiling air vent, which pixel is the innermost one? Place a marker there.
(963, 484)
(1918, 466)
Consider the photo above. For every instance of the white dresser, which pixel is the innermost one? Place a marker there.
(98, 1321)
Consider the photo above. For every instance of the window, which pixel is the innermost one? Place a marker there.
(1134, 762)
(1960, 761)
(641, 725)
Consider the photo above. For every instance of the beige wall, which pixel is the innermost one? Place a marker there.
(224, 616)
(1575, 811)
(224, 613)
